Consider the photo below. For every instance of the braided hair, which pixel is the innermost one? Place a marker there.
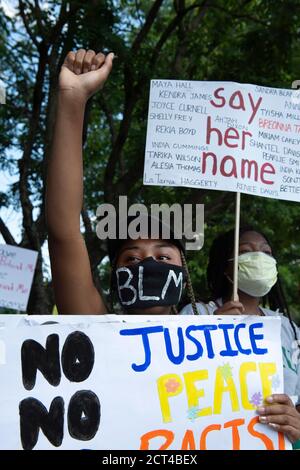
(219, 285)
(189, 285)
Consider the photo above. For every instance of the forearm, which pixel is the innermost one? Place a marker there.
(64, 192)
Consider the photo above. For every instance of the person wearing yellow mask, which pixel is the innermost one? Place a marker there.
(258, 287)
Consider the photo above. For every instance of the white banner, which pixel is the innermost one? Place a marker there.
(16, 273)
(113, 382)
(2, 92)
(224, 136)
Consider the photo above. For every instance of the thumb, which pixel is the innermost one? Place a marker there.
(106, 67)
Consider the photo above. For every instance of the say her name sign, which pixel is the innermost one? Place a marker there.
(224, 136)
(17, 267)
(133, 382)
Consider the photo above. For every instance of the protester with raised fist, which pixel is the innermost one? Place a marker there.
(148, 274)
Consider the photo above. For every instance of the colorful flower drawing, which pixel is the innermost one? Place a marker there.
(172, 385)
(275, 382)
(192, 413)
(256, 399)
(226, 370)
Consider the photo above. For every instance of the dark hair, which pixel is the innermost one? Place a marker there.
(114, 245)
(189, 286)
(220, 287)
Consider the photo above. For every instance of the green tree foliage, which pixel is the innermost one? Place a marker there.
(250, 41)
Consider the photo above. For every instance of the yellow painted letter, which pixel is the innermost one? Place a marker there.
(221, 388)
(193, 393)
(267, 369)
(245, 368)
(168, 385)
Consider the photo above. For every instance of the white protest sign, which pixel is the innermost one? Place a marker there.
(224, 136)
(173, 383)
(16, 273)
(2, 92)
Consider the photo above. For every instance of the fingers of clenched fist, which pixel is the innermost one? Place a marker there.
(85, 72)
(97, 61)
(83, 61)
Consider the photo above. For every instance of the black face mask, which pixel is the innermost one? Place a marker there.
(149, 283)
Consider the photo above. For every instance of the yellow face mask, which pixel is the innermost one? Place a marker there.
(257, 273)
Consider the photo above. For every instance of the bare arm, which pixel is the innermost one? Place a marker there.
(82, 74)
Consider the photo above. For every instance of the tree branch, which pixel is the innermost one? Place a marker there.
(131, 95)
(109, 118)
(40, 225)
(217, 204)
(86, 221)
(24, 162)
(170, 28)
(147, 26)
(26, 24)
(6, 234)
(238, 15)
(130, 101)
(132, 92)
(63, 18)
(96, 249)
(183, 39)
(39, 17)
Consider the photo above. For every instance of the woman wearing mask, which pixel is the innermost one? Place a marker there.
(258, 285)
(148, 275)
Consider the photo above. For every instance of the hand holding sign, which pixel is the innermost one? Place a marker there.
(230, 308)
(85, 72)
(282, 415)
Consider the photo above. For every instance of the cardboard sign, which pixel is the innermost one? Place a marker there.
(16, 273)
(224, 136)
(122, 382)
